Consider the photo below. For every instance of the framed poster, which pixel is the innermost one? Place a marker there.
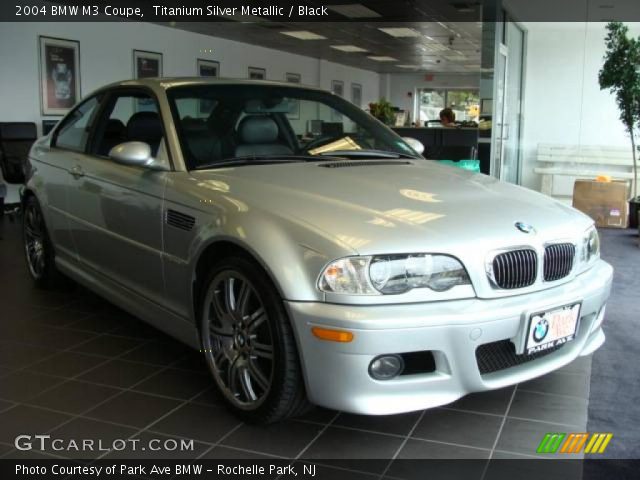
(356, 94)
(47, 125)
(294, 104)
(208, 68)
(256, 73)
(147, 64)
(59, 75)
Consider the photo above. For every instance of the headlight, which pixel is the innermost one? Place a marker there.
(590, 246)
(392, 274)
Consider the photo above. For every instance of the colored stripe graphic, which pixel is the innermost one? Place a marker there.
(598, 443)
(574, 442)
(551, 442)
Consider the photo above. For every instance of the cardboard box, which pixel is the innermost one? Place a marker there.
(605, 202)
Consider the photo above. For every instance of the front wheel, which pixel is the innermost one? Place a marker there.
(248, 343)
(37, 246)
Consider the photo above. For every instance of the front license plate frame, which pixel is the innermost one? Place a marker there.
(553, 327)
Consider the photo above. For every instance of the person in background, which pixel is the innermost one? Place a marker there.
(447, 117)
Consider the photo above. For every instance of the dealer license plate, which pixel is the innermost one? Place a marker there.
(552, 328)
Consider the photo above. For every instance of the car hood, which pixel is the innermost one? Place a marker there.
(397, 206)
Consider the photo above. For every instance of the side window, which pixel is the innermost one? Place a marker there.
(74, 131)
(130, 117)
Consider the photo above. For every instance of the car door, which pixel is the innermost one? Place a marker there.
(116, 209)
(54, 162)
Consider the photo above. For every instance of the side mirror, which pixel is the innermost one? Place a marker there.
(132, 153)
(415, 144)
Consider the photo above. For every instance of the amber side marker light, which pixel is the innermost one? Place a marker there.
(332, 335)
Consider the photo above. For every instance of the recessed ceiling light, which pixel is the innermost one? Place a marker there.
(304, 35)
(383, 59)
(348, 48)
(400, 32)
(354, 10)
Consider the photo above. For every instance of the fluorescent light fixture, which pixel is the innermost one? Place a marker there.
(354, 10)
(400, 32)
(304, 35)
(383, 58)
(348, 48)
(409, 67)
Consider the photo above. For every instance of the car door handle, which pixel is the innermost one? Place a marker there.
(77, 171)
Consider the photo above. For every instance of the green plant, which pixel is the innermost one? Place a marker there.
(383, 111)
(620, 74)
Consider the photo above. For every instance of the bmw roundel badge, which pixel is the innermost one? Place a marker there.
(540, 330)
(525, 227)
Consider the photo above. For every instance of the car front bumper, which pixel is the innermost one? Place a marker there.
(337, 375)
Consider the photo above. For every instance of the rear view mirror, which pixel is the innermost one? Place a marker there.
(414, 144)
(132, 153)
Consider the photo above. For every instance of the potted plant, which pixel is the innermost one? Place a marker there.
(383, 111)
(620, 74)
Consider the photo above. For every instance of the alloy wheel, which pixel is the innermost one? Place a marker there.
(238, 340)
(34, 241)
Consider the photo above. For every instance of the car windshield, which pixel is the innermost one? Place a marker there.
(219, 124)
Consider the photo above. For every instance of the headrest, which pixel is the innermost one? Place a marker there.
(144, 126)
(254, 129)
(114, 127)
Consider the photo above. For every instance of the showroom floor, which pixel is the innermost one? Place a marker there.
(75, 366)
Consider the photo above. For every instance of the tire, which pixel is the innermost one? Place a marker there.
(39, 252)
(248, 343)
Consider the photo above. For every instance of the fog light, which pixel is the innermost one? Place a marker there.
(386, 367)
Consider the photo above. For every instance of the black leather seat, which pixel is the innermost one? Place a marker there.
(145, 127)
(16, 139)
(115, 133)
(260, 135)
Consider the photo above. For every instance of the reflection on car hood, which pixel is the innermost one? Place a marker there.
(402, 206)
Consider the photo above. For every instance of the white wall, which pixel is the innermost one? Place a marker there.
(106, 56)
(563, 102)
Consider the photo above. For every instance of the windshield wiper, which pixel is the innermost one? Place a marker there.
(257, 160)
(367, 154)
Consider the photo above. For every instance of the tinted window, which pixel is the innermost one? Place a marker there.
(74, 131)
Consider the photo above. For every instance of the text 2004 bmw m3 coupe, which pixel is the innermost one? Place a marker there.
(311, 254)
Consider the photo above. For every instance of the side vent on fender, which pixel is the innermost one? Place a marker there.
(179, 220)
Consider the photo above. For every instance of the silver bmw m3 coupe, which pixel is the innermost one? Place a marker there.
(310, 254)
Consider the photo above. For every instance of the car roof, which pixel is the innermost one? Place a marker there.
(169, 82)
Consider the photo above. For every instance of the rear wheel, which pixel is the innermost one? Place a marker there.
(248, 343)
(37, 246)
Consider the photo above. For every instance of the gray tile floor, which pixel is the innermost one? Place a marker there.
(75, 366)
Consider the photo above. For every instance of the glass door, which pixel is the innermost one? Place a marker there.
(511, 117)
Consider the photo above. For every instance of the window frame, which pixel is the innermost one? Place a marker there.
(99, 96)
(110, 97)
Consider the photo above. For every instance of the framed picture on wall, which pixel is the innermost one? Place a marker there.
(59, 74)
(256, 73)
(294, 105)
(47, 125)
(337, 87)
(207, 68)
(356, 94)
(147, 64)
